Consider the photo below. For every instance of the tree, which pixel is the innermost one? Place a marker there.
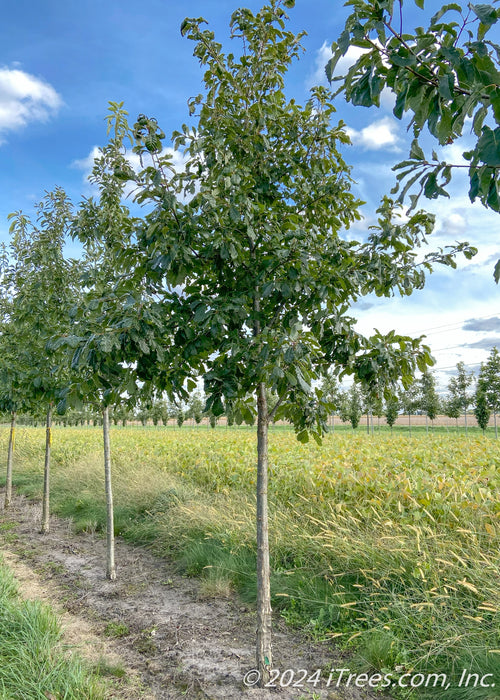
(459, 389)
(331, 392)
(481, 408)
(391, 410)
(99, 358)
(429, 399)
(343, 406)
(443, 76)
(368, 399)
(452, 408)
(251, 231)
(14, 367)
(44, 290)
(489, 379)
(354, 407)
(195, 407)
(409, 400)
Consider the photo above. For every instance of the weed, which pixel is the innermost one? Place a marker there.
(116, 629)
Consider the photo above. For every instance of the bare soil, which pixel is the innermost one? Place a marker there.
(176, 642)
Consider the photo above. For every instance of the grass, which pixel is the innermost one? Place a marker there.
(34, 664)
(388, 544)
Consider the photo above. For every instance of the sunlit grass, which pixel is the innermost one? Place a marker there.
(34, 663)
(389, 544)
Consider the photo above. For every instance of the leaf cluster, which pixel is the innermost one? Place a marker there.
(442, 75)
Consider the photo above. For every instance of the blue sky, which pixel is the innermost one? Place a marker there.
(61, 61)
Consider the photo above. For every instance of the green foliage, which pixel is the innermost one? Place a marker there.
(489, 379)
(350, 407)
(39, 286)
(481, 409)
(459, 387)
(429, 399)
(251, 230)
(452, 407)
(443, 75)
(391, 410)
(195, 407)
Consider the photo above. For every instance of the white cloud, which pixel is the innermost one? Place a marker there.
(382, 133)
(86, 164)
(353, 53)
(455, 224)
(24, 99)
(177, 161)
(348, 59)
(323, 55)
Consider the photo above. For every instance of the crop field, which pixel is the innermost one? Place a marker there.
(388, 544)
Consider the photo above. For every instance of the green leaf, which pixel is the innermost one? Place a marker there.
(444, 9)
(488, 146)
(303, 436)
(416, 152)
(495, 103)
(496, 274)
(486, 14)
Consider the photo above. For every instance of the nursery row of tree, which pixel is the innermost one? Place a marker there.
(237, 270)
(466, 392)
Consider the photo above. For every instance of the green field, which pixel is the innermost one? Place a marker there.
(388, 544)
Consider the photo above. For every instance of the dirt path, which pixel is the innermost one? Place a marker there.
(176, 644)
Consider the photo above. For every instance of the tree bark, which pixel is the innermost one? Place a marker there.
(264, 622)
(46, 474)
(10, 456)
(110, 531)
(495, 421)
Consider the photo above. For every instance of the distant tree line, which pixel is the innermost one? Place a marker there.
(466, 393)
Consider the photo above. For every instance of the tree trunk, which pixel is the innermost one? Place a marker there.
(46, 474)
(264, 623)
(426, 423)
(495, 421)
(110, 531)
(465, 420)
(10, 455)
(409, 421)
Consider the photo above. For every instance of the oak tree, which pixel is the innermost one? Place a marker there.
(247, 247)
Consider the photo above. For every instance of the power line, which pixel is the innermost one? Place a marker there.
(456, 324)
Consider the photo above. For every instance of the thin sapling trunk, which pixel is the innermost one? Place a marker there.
(46, 474)
(264, 622)
(110, 530)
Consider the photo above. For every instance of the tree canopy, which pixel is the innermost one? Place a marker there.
(444, 76)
